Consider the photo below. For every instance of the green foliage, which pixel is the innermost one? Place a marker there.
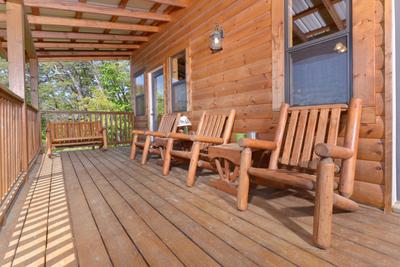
(91, 86)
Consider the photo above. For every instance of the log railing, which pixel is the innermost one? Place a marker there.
(118, 124)
(14, 133)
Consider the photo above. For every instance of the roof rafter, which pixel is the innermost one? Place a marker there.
(90, 23)
(83, 36)
(96, 9)
(57, 53)
(334, 15)
(178, 3)
(83, 58)
(311, 10)
(82, 45)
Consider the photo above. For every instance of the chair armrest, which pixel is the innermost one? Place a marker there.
(138, 132)
(257, 144)
(331, 151)
(207, 139)
(156, 134)
(180, 136)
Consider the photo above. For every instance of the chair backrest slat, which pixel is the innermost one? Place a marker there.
(169, 122)
(306, 127)
(287, 149)
(309, 139)
(214, 124)
(298, 142)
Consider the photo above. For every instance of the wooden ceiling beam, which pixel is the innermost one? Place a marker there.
(177, 3)
(122, 4)
(83, 36)
(96, 9)
(83, 58)
(42, 20)
(57, 53)
(84, 45)
(319, 31)
(334, 15)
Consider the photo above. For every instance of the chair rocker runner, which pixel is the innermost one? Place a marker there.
(295, 161)
(168, 124)
(214, 128)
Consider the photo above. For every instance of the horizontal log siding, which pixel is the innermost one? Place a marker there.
(240, 76)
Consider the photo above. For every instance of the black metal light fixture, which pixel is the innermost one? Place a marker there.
(216, 39)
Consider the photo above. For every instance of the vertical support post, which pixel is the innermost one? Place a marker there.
(16, 46)
(16, 64)
(133, 88)
(322, 230)
(34, 73)
(34, 76)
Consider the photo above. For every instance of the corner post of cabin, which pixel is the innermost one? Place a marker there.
(15, 18)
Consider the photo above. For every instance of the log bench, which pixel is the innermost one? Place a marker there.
(75, 133)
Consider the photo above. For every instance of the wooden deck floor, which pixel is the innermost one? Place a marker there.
(96, 208)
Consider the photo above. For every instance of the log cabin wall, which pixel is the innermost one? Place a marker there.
(240, 76)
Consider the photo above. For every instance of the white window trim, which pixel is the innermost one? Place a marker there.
(150, 99)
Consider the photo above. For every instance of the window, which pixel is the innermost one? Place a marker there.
(178, 83)
(140, 104)
(318, 52)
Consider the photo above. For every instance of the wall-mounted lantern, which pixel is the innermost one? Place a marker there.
(216, 39)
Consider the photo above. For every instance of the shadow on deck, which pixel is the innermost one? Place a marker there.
(102, 209)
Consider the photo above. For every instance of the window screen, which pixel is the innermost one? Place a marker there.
(318, 64)
(178, 83)
(140, 105)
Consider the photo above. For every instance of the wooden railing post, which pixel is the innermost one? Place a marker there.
(16, 65)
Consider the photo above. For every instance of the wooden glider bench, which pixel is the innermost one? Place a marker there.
(168, 124)
(214, 128)
(75, 133)
(305, 154)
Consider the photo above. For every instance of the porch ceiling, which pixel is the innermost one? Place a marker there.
(84, 29)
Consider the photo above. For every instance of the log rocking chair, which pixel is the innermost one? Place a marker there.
(305, 154)
(214, 128)
(168, 124)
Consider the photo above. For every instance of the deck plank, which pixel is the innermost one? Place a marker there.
(89, 244)
(272, 243)
(103, 209)
(241, 242)
(185, 249)
(217, 248)
(31, 248)
(119, 246)
(60, 249)
(356, 254)
(299, 239)
(151, 247)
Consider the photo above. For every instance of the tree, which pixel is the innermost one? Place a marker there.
(93, 86)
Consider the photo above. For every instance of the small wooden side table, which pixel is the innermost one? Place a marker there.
(229, 154)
